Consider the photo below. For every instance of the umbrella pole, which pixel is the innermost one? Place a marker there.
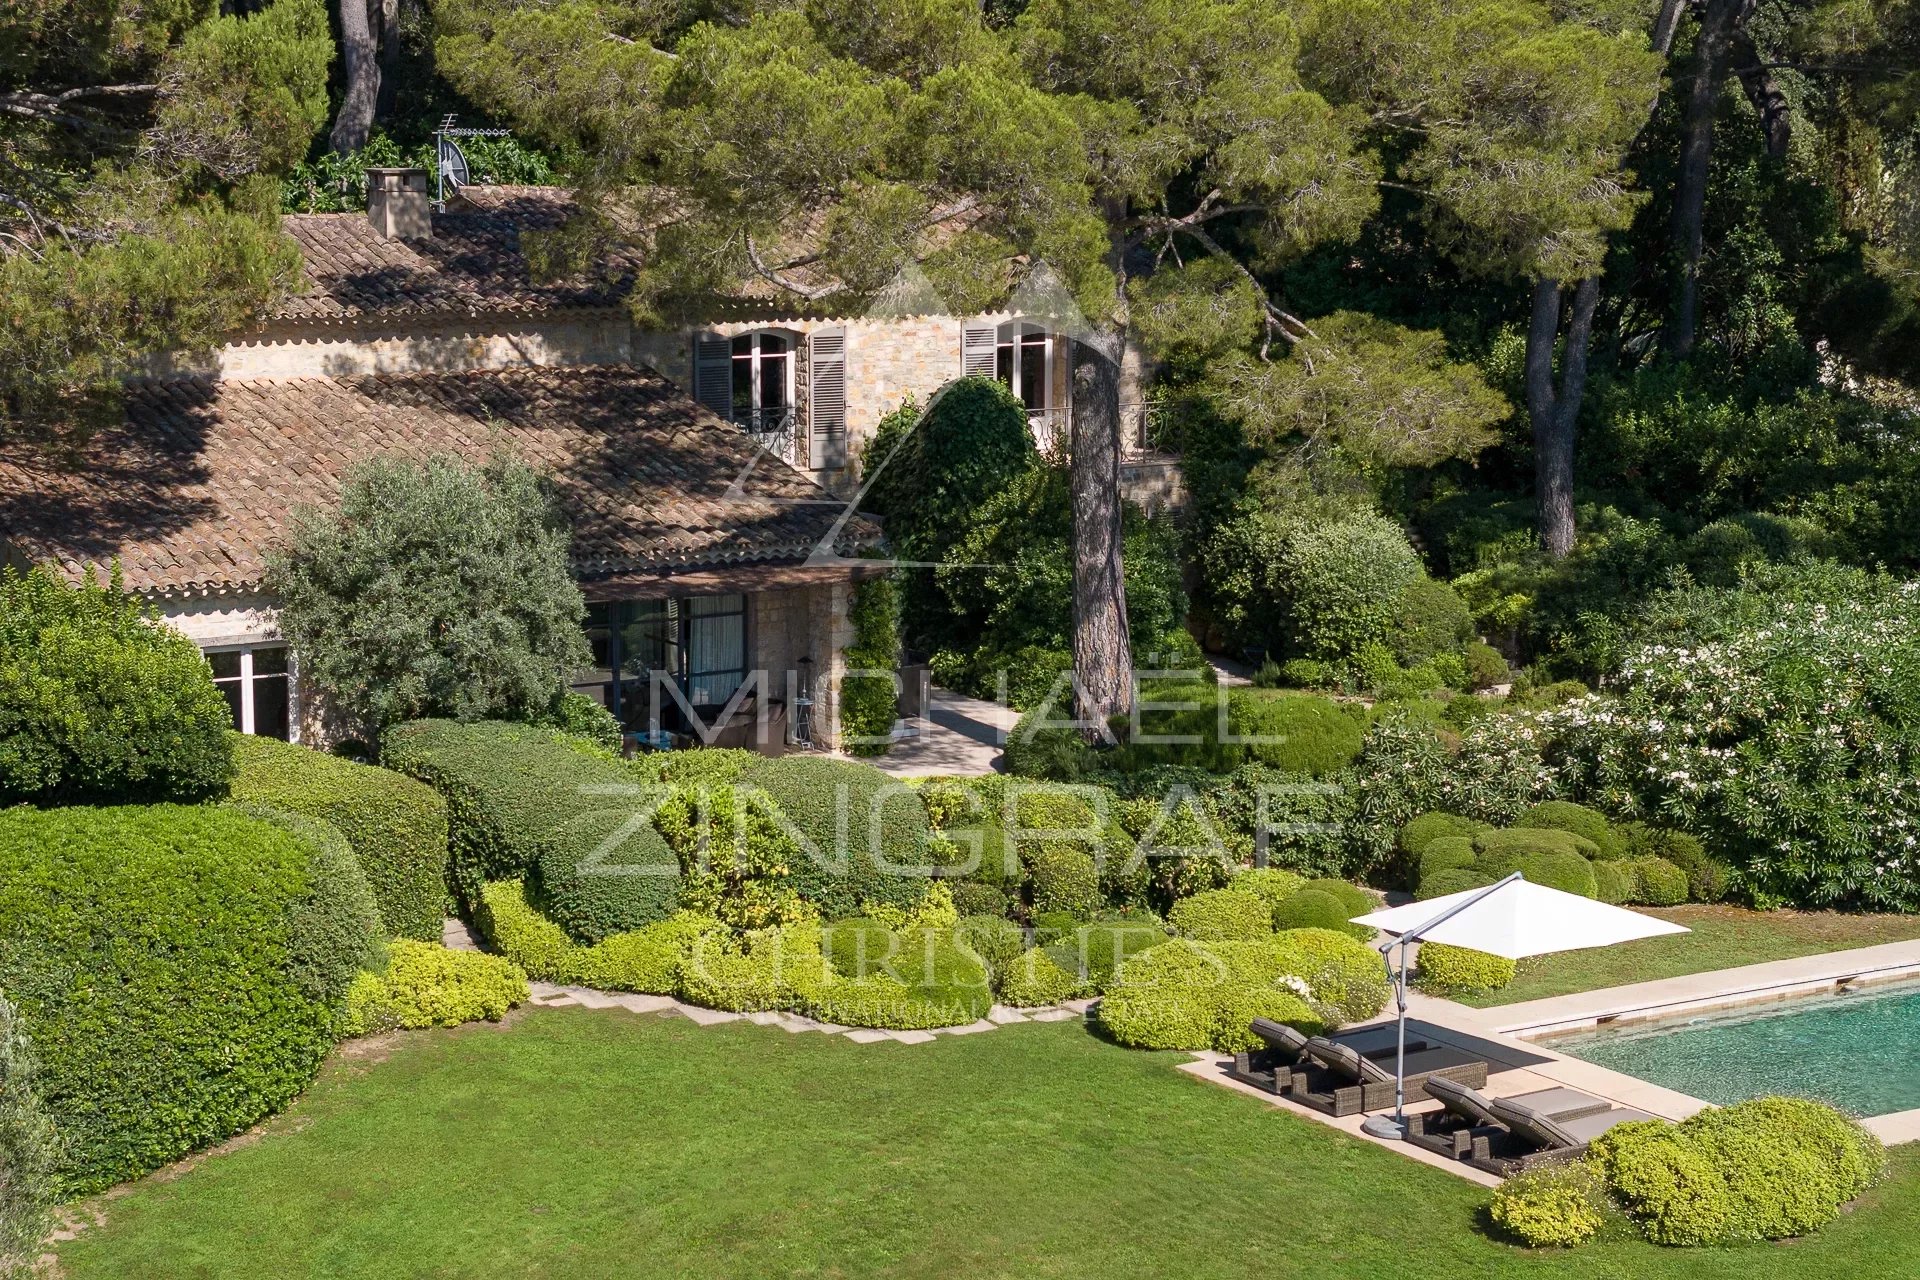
(1394, 1126)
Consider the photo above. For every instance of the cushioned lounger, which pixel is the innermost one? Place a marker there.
(1343, 1083)
(1466, 1111)
(1528, 1138)
(1284, 1051)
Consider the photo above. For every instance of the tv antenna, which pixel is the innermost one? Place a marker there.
(451, 170)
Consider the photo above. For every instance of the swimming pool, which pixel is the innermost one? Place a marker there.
(1859, 1051)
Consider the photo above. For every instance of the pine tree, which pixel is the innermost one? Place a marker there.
(136, 211)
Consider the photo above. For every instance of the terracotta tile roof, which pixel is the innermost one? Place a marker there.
(473, 263)
(198, 482)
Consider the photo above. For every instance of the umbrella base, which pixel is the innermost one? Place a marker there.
(1384, 1127)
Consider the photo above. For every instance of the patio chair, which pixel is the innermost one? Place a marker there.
(1284, 1051)
(1466, 1114)
(1528, 1138)
(1341, 1082)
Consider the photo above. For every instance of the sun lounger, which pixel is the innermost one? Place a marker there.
(1506, 1136)
(1341, 1082)
(1284, 1051)
(1466, 1113)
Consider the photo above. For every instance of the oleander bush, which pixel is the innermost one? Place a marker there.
(396, 825)
(1222, 915)
(1448, 970)
(519, 803)
(1723, 723)
(153, 952)
(426, 985)
(1556, 1207)
(863, 836)
(1767, 1169)
(98, 704)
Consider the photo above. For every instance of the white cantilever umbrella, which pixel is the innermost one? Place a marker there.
(1514, 918)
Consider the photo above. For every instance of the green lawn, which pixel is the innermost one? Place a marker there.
(580, 1143)
(1722, 938)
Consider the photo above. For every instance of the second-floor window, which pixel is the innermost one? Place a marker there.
(762, 378)
(1023, 359)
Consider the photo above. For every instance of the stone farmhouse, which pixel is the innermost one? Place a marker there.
(699, 467)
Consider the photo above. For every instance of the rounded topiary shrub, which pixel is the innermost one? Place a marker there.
(1064, 881)
(858, 947)
(1446, 853)
(1345, 975)
(1297, 733)
(1447, 970)
(1613, 882)
(996, 940)
(978, 898)
(1343, 581)
(1222, 915)
(1275, 884)
(155, 954)
(1765, 1169)
(396, 825)
(1318, 909)
(1556, 859)
(1035, 978)
(427, 985)
(1656, 882)
(1708, 878)
(1452, 880)
(521, 802)
(1556, 1207)
(1428, 827)
(1429, 620)
(863, 835)
(101, 703)
(1588, 824)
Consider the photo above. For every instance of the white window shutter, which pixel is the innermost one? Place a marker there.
(713, 372)
(979, 345)
(827, 398)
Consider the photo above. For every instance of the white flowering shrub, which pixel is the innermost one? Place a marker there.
(1789, 740)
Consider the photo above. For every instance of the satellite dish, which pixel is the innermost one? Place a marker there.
(454, 172)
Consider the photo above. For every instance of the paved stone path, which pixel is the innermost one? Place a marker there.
(550, 995)
(958, 737)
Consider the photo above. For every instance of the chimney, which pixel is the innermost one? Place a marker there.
(397, 204)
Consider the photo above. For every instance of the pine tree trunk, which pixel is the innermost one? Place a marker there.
(1102, 657)
(360, 57)
(1764, 92)
(1717, 25)
(1553, 410)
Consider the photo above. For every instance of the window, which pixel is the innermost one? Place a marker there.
(1023, 359)
(762, 378)
(698, 642)
(257, 682)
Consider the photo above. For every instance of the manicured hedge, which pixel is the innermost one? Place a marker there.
(864, 835)
(427, 985)
(336, 933)
(99, 703)
(1765, 1169)
(1446, 970)
(152, 952)
(396, 825)
(1588, 824)
(521, 802)
(1292, 733)
(1222, 915)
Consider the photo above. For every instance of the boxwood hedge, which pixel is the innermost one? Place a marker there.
(522, 803)
(864, 836)
(396, 825)
(152, 952)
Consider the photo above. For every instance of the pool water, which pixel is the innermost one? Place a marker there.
(1859, 1051)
